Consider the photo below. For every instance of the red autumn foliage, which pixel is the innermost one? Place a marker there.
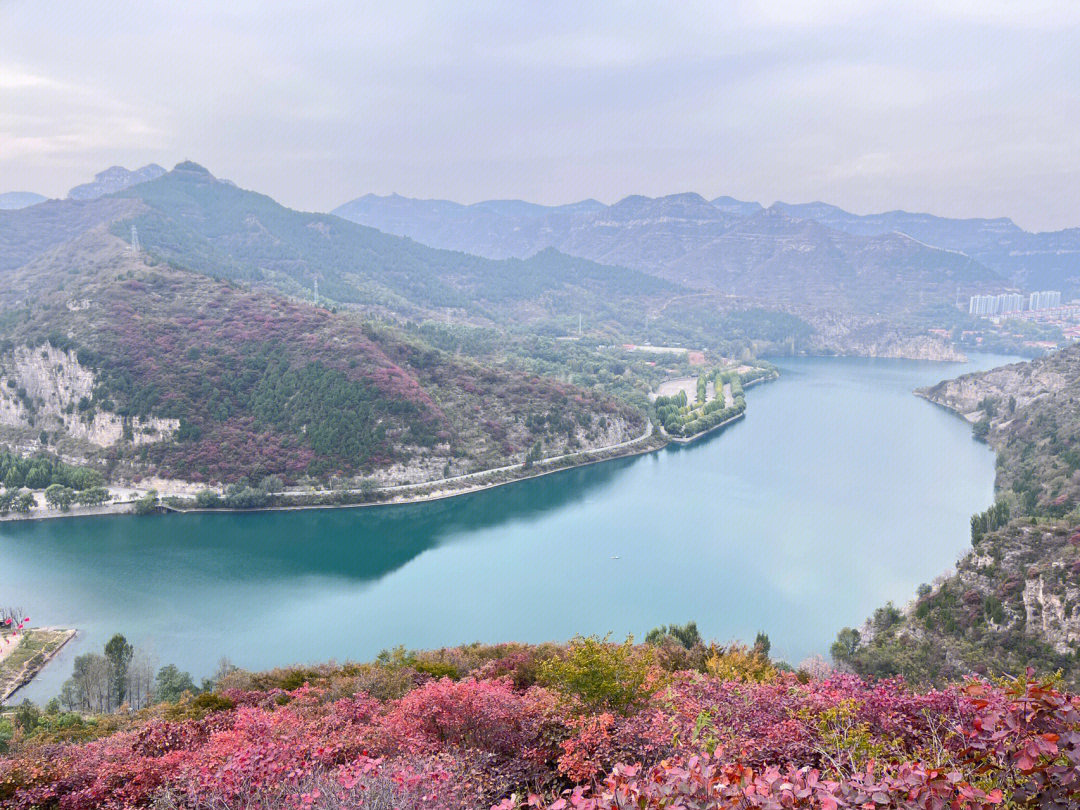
(494, 738)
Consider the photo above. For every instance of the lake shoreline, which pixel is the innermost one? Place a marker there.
(650, 442)
(746, 556)
(35, 665)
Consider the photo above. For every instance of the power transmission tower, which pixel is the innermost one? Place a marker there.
(135, 248)
(316, 292)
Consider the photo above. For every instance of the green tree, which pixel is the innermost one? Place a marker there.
(94, 496)
(685, 634)
(762, 645)
(147, 503)
(27, 716)
(535, 453)
(847, 642)
(171, 683)
(38, 477)
(118, 653)
(59, 496)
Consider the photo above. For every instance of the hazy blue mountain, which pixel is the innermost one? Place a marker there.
(1030, 260)
(27, 232)
(114, 179)
(13, 200)
(496, 229)
(725, 244)
(732, 206)
(637, 231)
(800, 262)
(646, 233)
(193, 220)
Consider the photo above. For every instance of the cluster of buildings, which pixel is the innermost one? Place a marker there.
(1007, 303)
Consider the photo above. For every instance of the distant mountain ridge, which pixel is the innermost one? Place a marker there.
(651, 233)
(726, 245)
(114, 179)
(14, 200)
(194, 220)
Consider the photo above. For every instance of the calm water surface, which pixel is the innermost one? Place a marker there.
(839, 490)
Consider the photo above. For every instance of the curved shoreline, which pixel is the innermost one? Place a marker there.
(400, 494)
(654, 438)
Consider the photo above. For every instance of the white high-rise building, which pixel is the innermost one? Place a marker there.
(1009, 302)
(995, 304)
(1046, 299)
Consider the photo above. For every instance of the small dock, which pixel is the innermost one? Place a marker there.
(23, 656)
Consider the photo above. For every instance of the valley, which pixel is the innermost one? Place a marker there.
(486, 406)
(789, 554)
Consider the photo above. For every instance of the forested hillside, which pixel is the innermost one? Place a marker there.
(1014, 599)
(190, 218)
(145, 367)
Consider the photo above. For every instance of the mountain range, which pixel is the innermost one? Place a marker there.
(193, 358)
(684, 236)
(113, 179)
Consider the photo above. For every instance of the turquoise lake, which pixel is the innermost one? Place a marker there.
(839, 491)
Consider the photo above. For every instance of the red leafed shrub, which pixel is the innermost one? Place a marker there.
(487, 715)
(697, 743)
(709, 783)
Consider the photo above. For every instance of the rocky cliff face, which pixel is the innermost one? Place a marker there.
(843, 334)
(48, 389)
(1014, 599)
(1050, 610)
(113, 179)
(1019, 383)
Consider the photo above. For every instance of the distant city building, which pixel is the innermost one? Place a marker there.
(981, 305)
(1047, 299)
(996, 304)
(1009, 303)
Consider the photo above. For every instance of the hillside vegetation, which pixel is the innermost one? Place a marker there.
(194, 220)
(591, 724)
(1014, 599)
(208, 380)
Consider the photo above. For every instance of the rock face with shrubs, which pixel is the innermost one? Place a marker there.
(591, 725)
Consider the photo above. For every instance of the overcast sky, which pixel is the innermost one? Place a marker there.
(969, 111)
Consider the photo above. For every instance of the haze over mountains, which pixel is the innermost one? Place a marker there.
(12, 200)
(675, 268)
(684, 236)
(113, 179)
(202, 223)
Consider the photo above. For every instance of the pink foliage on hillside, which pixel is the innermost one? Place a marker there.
(494, 738)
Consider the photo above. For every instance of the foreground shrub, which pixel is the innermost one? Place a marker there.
(598, 676)
(618, 734)
(740, 663)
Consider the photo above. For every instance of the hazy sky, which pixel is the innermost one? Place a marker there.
(961, 107)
